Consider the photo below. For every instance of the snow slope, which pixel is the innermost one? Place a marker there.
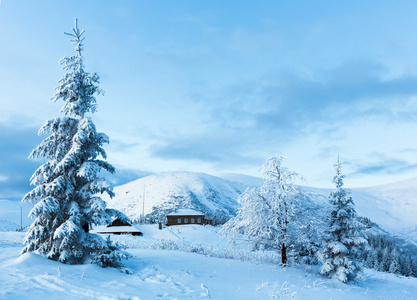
(397, 201)
(246, 180)
(162, 193)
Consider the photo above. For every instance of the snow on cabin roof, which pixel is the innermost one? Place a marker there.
(126, 229)
(186, 212)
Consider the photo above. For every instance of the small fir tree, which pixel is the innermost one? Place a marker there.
(344, 243)
(395, 266)
(67, 185)
(267, 217)
(407, 269)
(369, 262)
(386, 259)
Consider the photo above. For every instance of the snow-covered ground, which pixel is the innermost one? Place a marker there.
(173, 274)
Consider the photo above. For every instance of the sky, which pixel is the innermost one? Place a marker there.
(220, 86)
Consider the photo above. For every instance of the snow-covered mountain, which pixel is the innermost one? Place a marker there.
(156, 195)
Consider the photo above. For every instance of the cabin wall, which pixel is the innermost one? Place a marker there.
(185, 220)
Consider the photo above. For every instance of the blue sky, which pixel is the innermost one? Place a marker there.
(220, 86)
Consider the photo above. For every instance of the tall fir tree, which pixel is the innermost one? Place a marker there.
(343, 243)
(269, 216)
(67, 185)
(408, 269)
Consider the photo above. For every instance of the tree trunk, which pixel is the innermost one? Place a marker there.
(86, 227)
(284, 254)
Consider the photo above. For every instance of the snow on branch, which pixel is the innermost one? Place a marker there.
(78, 39)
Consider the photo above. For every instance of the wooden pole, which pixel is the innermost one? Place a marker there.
(143, 205)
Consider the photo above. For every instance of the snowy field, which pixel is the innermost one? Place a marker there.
(175, 274)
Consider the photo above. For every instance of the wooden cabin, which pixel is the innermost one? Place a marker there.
(187, 217)
(119, 227)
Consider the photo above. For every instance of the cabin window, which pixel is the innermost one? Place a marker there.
(198, 220)
(185, 220)
(192, 220)
(179, 220)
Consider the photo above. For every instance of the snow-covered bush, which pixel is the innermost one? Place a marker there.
(67, 185)
(343, 244)
(260, 256)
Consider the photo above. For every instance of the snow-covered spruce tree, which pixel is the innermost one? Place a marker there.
(344, 243)
(67, 185)
(267, 217)
(386, 259)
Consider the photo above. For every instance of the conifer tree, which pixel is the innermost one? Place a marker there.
(407, 269)
(343, 243)
(67, 185)
(386, 259)
(395, 266)
(369, 261)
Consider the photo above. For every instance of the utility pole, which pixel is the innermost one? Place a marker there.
(143, 205)
(21, 213)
